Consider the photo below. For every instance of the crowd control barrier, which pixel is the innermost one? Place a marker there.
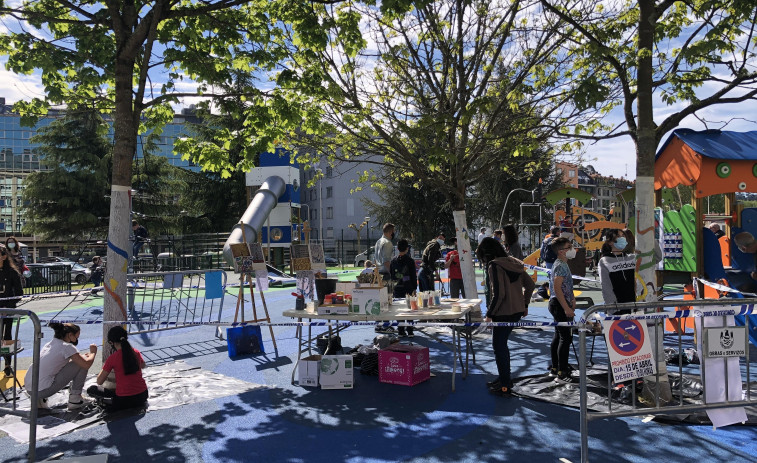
(654, 314)
(169, 300)
(15, 315)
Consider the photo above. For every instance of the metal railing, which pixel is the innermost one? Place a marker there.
(170, 300)
(34, 393)
(46, 278)
(683, 311)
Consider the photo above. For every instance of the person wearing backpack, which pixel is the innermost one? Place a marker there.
(508, 292)
(431, 254)
(547, 254)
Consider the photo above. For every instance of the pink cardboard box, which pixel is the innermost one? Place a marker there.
(404, 364)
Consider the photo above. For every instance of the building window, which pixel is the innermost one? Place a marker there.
(330, 232)
(329, 171)
(329, 191)
(329, 212)
(571, 173)
(314, 214)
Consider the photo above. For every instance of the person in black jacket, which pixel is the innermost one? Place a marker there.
(402, 269)
(616, 270)
(10, 292)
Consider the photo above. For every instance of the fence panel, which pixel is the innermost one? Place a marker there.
(46, 278)
(14, 315)
(169, 300)
(658, 312)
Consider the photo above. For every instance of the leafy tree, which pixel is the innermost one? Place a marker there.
(69, 198)
(443, 95)
(687, 55)
(156, 200)
(111, 53)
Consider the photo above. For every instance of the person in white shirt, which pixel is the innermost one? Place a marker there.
(61, 364)
(384, 250)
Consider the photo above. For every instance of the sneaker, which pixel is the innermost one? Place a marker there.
(563, 377)
(42, 404)
(551, 372)
(502, 391)
(410, 334)
(76, 401)
(401, 332)
(8, 371)
(494, 384)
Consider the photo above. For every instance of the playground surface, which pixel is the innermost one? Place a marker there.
(374, 421)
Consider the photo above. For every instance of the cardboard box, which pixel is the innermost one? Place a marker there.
(308, 370)
(370, 301)
(333, 309)
(404, 364)
(336, 372)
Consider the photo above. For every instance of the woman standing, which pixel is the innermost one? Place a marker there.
(131, 389)
(14, 250)
(616, 270)
(10, 293)
(562, 306)
(61, 364)
(508, 292)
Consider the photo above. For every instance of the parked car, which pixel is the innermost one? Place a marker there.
(331, 262)
(42, 274)
(360, 258)
(55, 259)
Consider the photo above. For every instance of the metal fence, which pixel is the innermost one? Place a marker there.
(678, 311)
(168, 300)
(47, 278)
(31, 414)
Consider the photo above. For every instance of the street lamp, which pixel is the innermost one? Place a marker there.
(357, 228)
(320, 203)
(367, 221)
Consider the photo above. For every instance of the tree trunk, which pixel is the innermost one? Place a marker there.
(646, 146)
(119, 248)
(466, 256)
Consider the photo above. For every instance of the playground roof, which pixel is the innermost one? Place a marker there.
(713, 161)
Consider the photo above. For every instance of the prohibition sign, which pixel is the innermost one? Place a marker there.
(626, 337)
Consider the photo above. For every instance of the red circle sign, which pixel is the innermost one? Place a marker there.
(626, 337)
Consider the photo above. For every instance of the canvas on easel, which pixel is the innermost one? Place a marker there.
(300, 255)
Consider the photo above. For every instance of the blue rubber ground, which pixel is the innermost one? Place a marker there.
(374, 422)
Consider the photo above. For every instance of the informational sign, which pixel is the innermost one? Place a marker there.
(729, 341)
(317, 258)
(629, 349)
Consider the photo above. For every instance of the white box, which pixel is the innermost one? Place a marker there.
(336, 372)
(333, 309)
(370, 301)
(308, 370)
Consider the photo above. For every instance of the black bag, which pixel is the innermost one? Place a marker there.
(370, 365)
(547, 253)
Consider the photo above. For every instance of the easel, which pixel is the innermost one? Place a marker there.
(240, 300)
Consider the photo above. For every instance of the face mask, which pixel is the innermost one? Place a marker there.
(441, 242)
(74, 342)
(621, 243)
(11, 245)
(570, 253)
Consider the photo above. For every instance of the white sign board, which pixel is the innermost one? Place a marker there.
(629, 349)
(729, 341)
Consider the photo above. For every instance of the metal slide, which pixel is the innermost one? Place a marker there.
(257, 212)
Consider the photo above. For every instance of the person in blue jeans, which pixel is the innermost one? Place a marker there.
(508, 290)
(562, 306)
(140, 236)
(96, 273)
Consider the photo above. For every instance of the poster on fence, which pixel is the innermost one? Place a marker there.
(629, 348)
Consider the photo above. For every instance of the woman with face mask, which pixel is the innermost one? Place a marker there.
(61, 364)
(10, 288)
(562, 306)
(616, 270)
(127, 363)
(14, 251)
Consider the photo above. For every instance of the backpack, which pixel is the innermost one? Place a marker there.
(547, 253)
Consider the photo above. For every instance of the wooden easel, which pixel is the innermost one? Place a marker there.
(246, 278)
